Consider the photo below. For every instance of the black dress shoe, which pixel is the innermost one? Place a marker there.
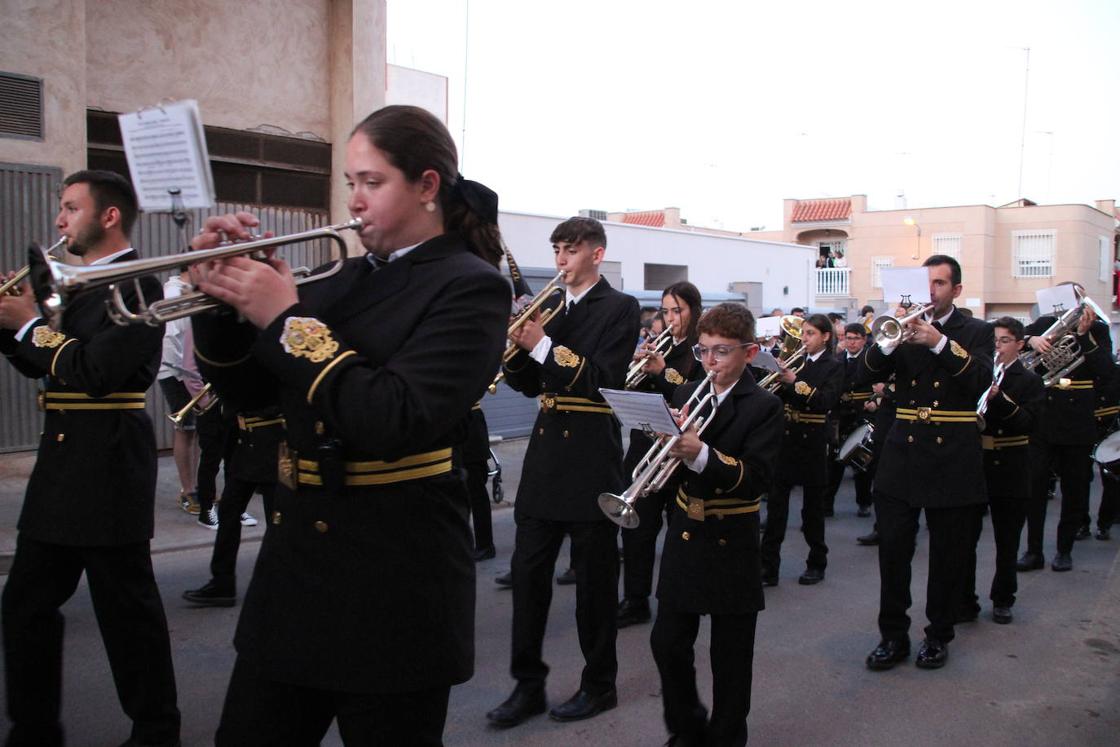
(1083, 532)
(520, 705)
(633, 612)
(769, 578)
(811, 576)
(505, 580)
(211, 595)
(1062, 562)
(887, 654)
(1030, 561)
(484, 553)
(863, 512)
(567, 578)
(932, 654)
(584, 705)
(1103, 534)
(1002, 615)
(869, 540)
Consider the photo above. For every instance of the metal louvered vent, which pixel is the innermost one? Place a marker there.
(21, 106)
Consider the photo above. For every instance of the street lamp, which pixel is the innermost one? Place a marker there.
(909, 220)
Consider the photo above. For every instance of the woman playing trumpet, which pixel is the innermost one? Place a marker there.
(710, 561)
(663, 373)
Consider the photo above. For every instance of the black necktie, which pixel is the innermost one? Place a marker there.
(937, 326)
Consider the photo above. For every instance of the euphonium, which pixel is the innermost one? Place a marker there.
(1064, 354)
(11, 287)
(792, 352)
(656, 467)
(889, 331)
(659, 345)
(526, 314)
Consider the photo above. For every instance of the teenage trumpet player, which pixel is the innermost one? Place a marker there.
(710, 562)
(681, 309)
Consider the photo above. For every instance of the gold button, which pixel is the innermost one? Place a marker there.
(320, 429)
(936, 384)
(909, 439)
(686, 536)
(995, 461)
(935, 403)
(913, 402)
(61, 437)
(276, 517)
(940, 440)
(787, 433)
(540, 431)
(719, 491)
(999, 431)
(321, 526)
(913, 382)
(804, 435)
(722, 541)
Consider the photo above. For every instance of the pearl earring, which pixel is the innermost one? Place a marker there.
(430, 206)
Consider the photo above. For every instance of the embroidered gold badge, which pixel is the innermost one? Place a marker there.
(802, 388)
(673, 376)
(957, 349)
(695, 509)
(731, 461)
(565, 357)
(306, 337)
(45, 337)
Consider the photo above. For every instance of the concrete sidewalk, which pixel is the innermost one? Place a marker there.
(176, 530)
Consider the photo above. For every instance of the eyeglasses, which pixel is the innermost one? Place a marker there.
(719, 351)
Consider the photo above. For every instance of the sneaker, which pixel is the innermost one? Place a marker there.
(211, 595)
(209, 519)
(189, 502)
(247, 520)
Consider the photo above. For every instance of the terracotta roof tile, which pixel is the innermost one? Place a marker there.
(654, 218)
(808, 211)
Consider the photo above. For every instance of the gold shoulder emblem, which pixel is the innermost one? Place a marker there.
(802, 388)
(732, 461)
(45, 337)
(673, 376)
(957, 349)
(565, 357)
(307, 337)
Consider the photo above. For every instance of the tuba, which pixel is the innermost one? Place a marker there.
(791, 352)
(1064, 354)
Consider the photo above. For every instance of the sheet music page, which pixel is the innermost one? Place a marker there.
(767, 326)
(641, 410)
(1058, 297)
(166, 149)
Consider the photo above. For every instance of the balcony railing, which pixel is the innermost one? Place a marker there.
(834, 281)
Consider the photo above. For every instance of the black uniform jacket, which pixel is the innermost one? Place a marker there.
(1011, 418)
(680, 366)
(364, 581)
(808, 402)
(575, 451)
(1069, 413)
(932, 455)
(255, 444)
(849, 412)
(95, 477)
(710, 561)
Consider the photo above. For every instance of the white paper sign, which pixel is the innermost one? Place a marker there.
(1057, 299)
(643, 411)
(905, 284)
(166, 150)
(767, 326)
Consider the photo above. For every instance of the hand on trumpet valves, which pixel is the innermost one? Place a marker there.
(529, 333)
(259, 290)
(688, 446)
(993, 392)
(17, 310)
(924, 333)
(654, 361)
(786, 376)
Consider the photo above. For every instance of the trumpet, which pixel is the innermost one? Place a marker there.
(656, 467)
(792, 352)
(982, 403)
(178, 417)
(11, 287)
(525, 315)
(65, 280)
(890, 331)
(659, 345)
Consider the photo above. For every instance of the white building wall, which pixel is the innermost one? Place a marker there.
(714, 262)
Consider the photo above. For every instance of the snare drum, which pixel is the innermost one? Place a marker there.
(1107, 454)
(857, 449)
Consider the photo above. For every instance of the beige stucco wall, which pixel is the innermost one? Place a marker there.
(46, 39)
(263, 63)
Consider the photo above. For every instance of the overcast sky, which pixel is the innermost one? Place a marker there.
(725, 108)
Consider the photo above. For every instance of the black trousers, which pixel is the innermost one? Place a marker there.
(214, 437)
(1009, 513)
(1074, 466)
(812, 526)
(673, 641)
(479, 502)
(595, 562)
(639, 545)
(235, 499)
(950, 534)
(133, 627)
(1110, 500)
(860, 478)
(260, 712)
